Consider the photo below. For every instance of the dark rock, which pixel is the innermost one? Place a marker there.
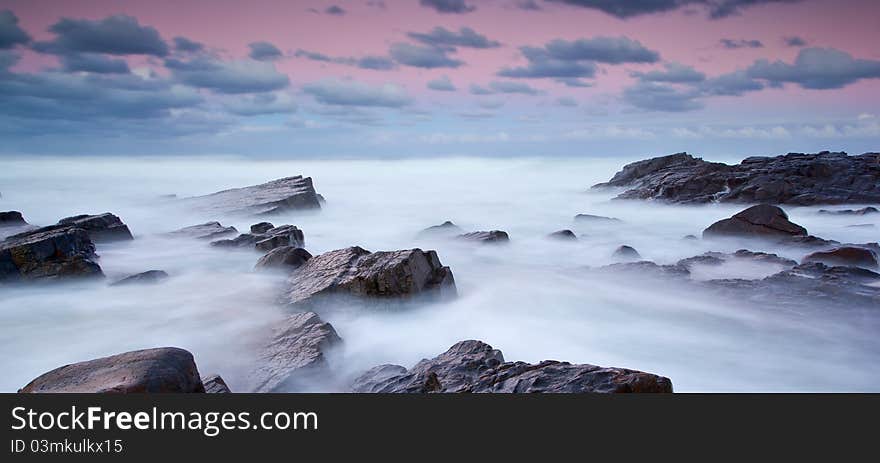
(148, 277)
(645, 268)
(204, 231)
(11, 219)
(861, 225)
(262, 227)
(689, 238)
(563, 235)
(761, 221)
(627, 253)
(795, 178)
(845, 256)
(444, 229)
(55, 253)
(595, 218)
(214, 384)
(285, 257)
(473, 366)
(493, 236)
(296, 354)
(285, 194)
(285, 235)
(166, 369)
(383, 275)
(718, 258)
(245, 240)
(104, 227)
(862, 211)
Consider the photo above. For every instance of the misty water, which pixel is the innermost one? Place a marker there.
(530, 298)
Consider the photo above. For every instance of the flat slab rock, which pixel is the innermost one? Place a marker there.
(166, 369)
(296, 354)
(381, 275)
(49, 254)
(101, 228)
(281, 195)
(474, 366)
(794, 178)
(203, 231)
(148, 277)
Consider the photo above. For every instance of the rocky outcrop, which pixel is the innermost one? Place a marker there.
(296, 355)
(282, 195)
(644, 268)
(474, 366)
(382, 275)
(626, 253)
(214, 384)
(262, 227)
(444, 229)
(492, 236)
(795, 178)
(762, 221)
(595, 218)
(718, 258)
(148, 277)
(166, 369)
(269, 239)
(12, 219)
(204, 231)
(101, 228)
(283, 258)
(563, 235)
(65, 252)
(862, 211)
(846, 256)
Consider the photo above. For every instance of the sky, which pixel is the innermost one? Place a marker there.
(418, 78)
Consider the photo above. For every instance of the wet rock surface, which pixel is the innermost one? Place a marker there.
(590, 218)
(281, 195)
(444, 229)
(101, 228)
(166, 369)
(65, 252)
(474, 366)
(862, 211)
(11, 219)
(148, 277)
(626, 253)
(762, 221)
(214, 384)
(794, 178)
(283, 258)
(268, 239)
(846, 256)
(493, 236)
(563, 235)
(204, 231)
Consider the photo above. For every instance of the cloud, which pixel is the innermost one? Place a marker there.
(114, 35)
(448, 6)
(573, 82)
(187, 46)
(681, 88)
(731, 84)
(816, 68)
(528, 5)
(245, 76)
(10, 33)
(540, 65)
(335, 10)
(577, 59)
(659, 97)
(566, 101)
(376, 63)
(90, 62)
(504, 87)
(794, 41)
(353, 93)
(674, 73)
(443, 38)
(441, 84)
(264, 51)
(422, 57)
(733, 44)
(261, 104)
(625, 9)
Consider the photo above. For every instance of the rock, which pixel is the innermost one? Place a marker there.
(493, 236)
(262, 227)
(595, 218)
(245, 240)
(473, 366)
(795, 178)
(861, 225)
(862, 211)
(444, 229)
(689, 238)
(55, 253)
(382, 275)
(166, 369)
(214, 384)
(11, 219)
(718, 258)
(148, 277)
(761, 221)
(285, 257)
(285, 235)
(644, 268)
(627, 253)
(204, 231)
(296, 354)
(282, 195)
(845, 256)
(104, 227)
(563, 235)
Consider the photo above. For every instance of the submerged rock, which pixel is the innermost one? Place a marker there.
(204, 231)
(761, 221)
(595, 218)
(493, 236)
(382, 275)
(148, 277)
(444, 229)
(166, 369)
(845, 255)
(795, 178)
(12, 219)
(284, 194)
(261, 227)
(285, 257)
(48, 254)
(214, 384)
(718, 258)
(627, 253)
(296, 355)
(563, 235)
(474, 366)
(862, 211)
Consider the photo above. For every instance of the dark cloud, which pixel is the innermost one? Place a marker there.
(660, 97)
(731, 84)
(541, 65)
(264, 51)
(625, 9)
(794, 41)
(578, 58)
(674, 73)
(448, 6)
(682, 88)
(353, 93)
(528, 5)
(573, 82)
(444, 38)
(335, 10)
(261, 104)
(733, 44)
(423, 57)
(114, 35)
(228, 76)
(441, 84)
(10, 33)
(187, 46)
(816, 68)
(504, 87)
(90, 62)
(376, 63)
